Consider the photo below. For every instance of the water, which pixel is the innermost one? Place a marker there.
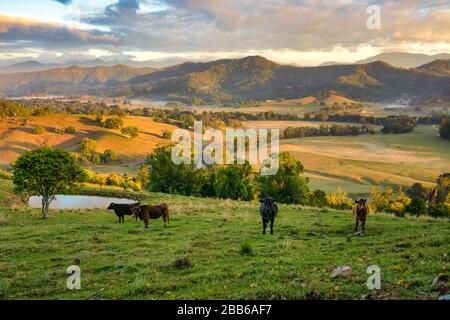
(77, 202)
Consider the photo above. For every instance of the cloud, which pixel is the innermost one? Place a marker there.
(206, 26)
(64, 2)
(195, 25)
(33, 33)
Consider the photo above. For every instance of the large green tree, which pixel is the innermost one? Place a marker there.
(287, 185)
(233, 182)
(45, 172)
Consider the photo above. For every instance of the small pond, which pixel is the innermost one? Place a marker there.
(77, 202)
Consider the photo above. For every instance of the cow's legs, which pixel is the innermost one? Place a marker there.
(271, 226)
(356, 225)
(264, 226)
(364, 224)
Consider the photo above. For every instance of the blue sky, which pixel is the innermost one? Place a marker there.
(305, 32)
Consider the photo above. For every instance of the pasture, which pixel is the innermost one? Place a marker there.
(16, 138)
(214, 249)
(356, 163)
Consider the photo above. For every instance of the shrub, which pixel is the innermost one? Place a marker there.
(109, 156)
(87, 147)
(182, 263)
(39, 130)
(439, 210)
(444, 130)
(318, 198)
(131, 132)
(167, 134)
(5, 175)
(246, 249)
(71, 130)
(339, 200)
(417, 207)
(113, 123)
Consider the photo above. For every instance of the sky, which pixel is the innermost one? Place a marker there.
(302, 32)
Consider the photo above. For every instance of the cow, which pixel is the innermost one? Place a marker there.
(147, 212)
(122, 210)
(360, 210)
(268, 210)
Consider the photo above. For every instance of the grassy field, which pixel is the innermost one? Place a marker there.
(356, 163)
(353, 163)
(214, 249)
(16, 139)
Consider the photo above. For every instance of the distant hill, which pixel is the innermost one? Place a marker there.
(437, 67)
(67, 80)
(234, 79)
(259, 78)
(32, 66)
(404, 59)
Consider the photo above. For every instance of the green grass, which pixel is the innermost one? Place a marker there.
(214, 249)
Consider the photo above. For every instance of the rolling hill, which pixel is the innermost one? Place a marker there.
(405, 59)
(234, 79)
(67, 80)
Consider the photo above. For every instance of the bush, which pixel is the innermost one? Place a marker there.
(439, 210)
(246, 249)
(87, 147)
(318, 199)
(71, 130)
(167, 134)
(339, 200)
(131, 132)
(113, 123)
(109, 156)
(5, 175)
(39, 130)
(417, 207)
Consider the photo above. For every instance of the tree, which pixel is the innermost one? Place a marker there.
(87, 147)
(113, 123)
(131, 132)
(417, 190)
(167, 177)
(45, 172)
(233, 182)
(417, 207)
(39, 130)
(109, 156)
(444, 130)
(286, 186)
(318, 198)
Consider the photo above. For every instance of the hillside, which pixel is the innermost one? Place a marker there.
(405, 59)
(235, 79)
(16, 139)
(67, 80)
(200, 256)
(259, 78)
(437, 67)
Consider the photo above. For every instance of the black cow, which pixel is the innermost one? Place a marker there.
(122, 210)
(268, 210)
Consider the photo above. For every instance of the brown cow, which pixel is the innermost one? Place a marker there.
(147, 212)
(360, 210)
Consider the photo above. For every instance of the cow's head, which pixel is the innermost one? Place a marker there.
(111, 206)
(269, 204)
(361, 202)
(136, 211)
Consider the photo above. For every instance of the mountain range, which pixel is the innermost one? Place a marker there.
(252, 77)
